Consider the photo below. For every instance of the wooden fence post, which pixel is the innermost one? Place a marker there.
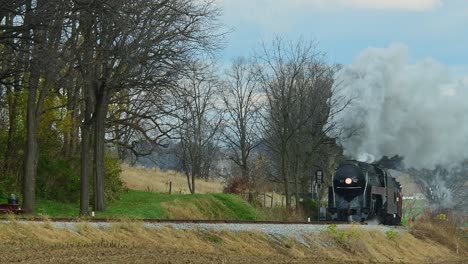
(170, 187)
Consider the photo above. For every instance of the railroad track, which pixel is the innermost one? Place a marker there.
(177, 221)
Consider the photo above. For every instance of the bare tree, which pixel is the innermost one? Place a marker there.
(445, 186)
(298, 86)
(241, 96)
(140, 44)
(201, 120)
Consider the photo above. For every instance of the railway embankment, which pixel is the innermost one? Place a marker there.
(139, 242)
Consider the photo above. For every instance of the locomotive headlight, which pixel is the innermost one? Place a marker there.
(348, 180)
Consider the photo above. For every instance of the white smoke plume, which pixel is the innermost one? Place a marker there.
(416, 109)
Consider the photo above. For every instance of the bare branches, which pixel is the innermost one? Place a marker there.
(241, 99)
(444, 187)
(200, 122)
(298, 87)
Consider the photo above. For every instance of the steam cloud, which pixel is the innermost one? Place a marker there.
(416, 109)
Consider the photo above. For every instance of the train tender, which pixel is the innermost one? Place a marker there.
(363, 191)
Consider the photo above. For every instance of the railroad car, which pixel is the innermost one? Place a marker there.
(363, 191)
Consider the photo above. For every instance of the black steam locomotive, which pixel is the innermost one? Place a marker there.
(362, 191)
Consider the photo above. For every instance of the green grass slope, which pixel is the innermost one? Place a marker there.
(139, 204)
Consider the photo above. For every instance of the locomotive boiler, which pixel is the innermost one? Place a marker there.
(363, 191)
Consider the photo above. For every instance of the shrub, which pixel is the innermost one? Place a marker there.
(57, 180)
(391, 234)
(113, 183)
(237, 185)
(337, 236)
(8, 184)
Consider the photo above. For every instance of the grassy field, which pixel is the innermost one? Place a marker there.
(155, 180)
(147, 197)
(136, 204)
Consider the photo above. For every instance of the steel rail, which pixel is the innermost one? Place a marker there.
(175, 221)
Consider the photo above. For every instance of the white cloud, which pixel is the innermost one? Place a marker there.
(279, 14)
(391, 4)
(331, 4)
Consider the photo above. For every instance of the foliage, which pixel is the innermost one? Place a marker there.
(56, 82)
(337, 236)
(57, 180)
(8, 184)
(391, 234)
(114, 185)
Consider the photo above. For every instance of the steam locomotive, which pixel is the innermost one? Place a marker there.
(363, 191)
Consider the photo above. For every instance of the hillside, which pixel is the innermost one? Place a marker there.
(155, 180)
(135, 204)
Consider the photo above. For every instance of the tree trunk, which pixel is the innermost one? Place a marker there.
(296, 182)
(99, 148)
(244, 167)
(84, 177)
(85, 149)
(192, 191)
(32, 113)
(189, 182)
(31, 149)
(285, 181)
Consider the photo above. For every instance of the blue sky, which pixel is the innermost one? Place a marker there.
(435, 29)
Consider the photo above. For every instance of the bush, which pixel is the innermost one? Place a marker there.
(391, 234)
(57, 180)
(8, 184)
(113, 184)
(237, 185)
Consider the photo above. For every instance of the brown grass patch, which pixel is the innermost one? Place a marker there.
(442, 232)
(129, 240)
(155, 180)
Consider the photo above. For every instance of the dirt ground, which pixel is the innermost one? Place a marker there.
(112, 254)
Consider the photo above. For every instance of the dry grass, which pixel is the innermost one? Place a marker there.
(442, 231)
(376, 246)
(129, 239)
(155, 180)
